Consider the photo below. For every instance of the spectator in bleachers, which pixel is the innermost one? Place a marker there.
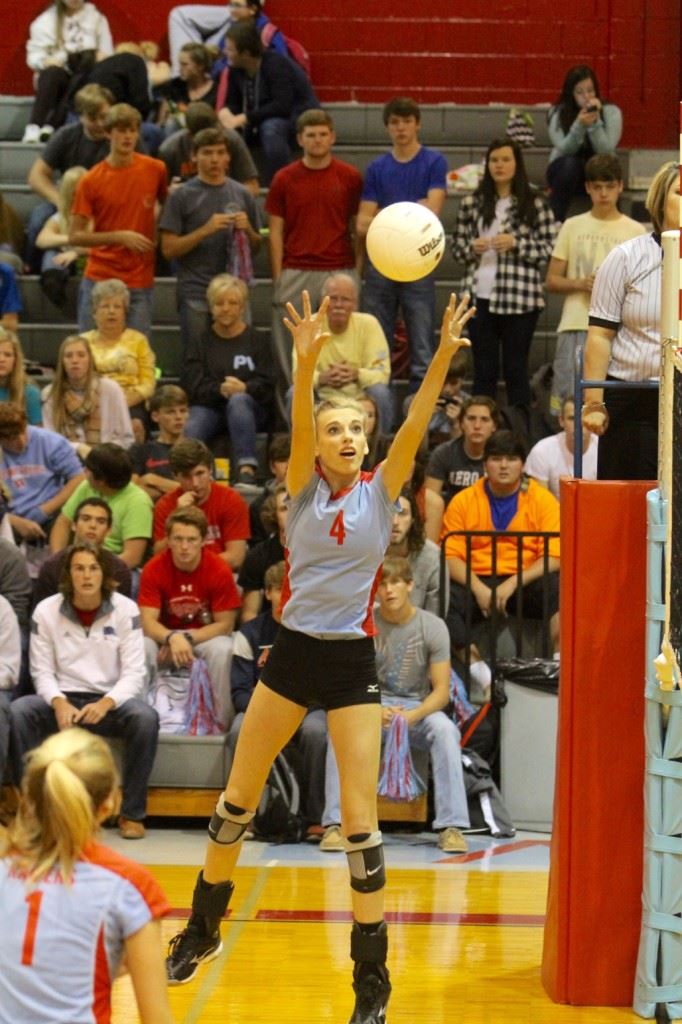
(551, 460)
(279, 451)
(208, 24)
(108, 475)
(39, 468)
(431, 505)
(15, 582)
(227, 374)
(83, 406)
(581, 124)
(10, 300)
(177, 151)
(416, 686)
(457, 464)
(10, 667)
(414, 173)
(82, 144)
(409, 541)
(87, 665)
(581, 247)
(502, 500)
(251, 648)
(209, 225)
(504, 236)
(92, 523)
(194, 82)
(14, 387)
(120, 352)
(59, 257)
(261, 556)
(305, 248)
(356, 358)
(64, 42)
(114, 216)
(266, 92)
(378, 442)
(168, 410)
(12, 236)
(188, 603)
(624, 341)
(125, 75)
(225, 509)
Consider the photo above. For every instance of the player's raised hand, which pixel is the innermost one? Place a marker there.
(454, 319)
(307, 330)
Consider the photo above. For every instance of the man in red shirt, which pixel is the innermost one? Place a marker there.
(188, 602)
(226, 511)
(114, 215)
(305, 247)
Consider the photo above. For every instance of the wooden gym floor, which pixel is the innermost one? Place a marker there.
(465, 939)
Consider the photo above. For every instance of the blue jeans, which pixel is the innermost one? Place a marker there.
(243, 417)
(38, 216)
(566, 179)
(417, 301)
(440, 736)
(274, 137)
(139, 314)
(135, 722)
(513, 333)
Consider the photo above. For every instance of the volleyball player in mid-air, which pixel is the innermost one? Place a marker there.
(338, 528)
(73, 910)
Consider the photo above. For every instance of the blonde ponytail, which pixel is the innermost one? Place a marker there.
(67, 781)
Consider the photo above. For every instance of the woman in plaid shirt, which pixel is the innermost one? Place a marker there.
(504, 235)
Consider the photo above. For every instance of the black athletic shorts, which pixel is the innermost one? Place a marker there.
(328, 673)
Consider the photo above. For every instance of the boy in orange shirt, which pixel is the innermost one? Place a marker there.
(114, 215)
(505, 500)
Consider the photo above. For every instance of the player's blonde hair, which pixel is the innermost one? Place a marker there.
(330, 404)
(67, 780)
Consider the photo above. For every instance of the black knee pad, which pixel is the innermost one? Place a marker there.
(365, 854)
(228, 823)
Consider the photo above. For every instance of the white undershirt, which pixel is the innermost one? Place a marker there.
(484, 278)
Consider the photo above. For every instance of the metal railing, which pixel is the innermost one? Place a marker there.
(496, 617)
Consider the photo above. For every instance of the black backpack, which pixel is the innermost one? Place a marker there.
(487, 812)
(278, 818)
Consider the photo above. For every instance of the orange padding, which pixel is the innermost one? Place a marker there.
(595, 882)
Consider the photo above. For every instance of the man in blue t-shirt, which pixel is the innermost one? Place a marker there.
(409, 173)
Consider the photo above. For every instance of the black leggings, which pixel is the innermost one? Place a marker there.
(629, 448)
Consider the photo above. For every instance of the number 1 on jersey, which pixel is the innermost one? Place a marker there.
(34, 900)
(338, 529)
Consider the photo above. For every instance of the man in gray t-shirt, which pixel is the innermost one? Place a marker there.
(413, 665)
(199, 226)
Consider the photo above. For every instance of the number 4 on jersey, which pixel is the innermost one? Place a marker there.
(338, 529)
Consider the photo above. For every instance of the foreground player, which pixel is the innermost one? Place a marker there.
(338, 527)
(72, 909)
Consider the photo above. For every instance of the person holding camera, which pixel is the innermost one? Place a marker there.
(581, 124)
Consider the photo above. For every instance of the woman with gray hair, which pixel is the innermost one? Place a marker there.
(624, 341)
(121, 353)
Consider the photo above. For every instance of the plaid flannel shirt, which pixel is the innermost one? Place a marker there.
(518, 282)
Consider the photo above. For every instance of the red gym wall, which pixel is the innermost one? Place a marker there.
(464, 51)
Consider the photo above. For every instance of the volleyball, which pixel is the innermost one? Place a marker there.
(405, 241)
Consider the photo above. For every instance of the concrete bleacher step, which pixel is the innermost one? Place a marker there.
(41, 310)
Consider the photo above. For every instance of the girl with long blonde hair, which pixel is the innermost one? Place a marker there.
(72, 908)
(81, 405)
(13, 385)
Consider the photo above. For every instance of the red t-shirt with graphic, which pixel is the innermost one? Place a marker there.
(225, 509)
(188, 600)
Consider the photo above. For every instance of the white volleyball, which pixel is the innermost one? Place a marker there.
(405, 241)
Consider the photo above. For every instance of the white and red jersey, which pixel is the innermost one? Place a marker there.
(335, 544)
(61, 945)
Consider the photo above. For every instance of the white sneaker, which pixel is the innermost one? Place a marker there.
(31, 133)
(45, 132)
(332, 840)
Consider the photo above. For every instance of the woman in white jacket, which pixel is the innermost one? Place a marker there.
(81, 405)
(64, 42)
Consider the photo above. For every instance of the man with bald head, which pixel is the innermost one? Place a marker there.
(355, 360)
